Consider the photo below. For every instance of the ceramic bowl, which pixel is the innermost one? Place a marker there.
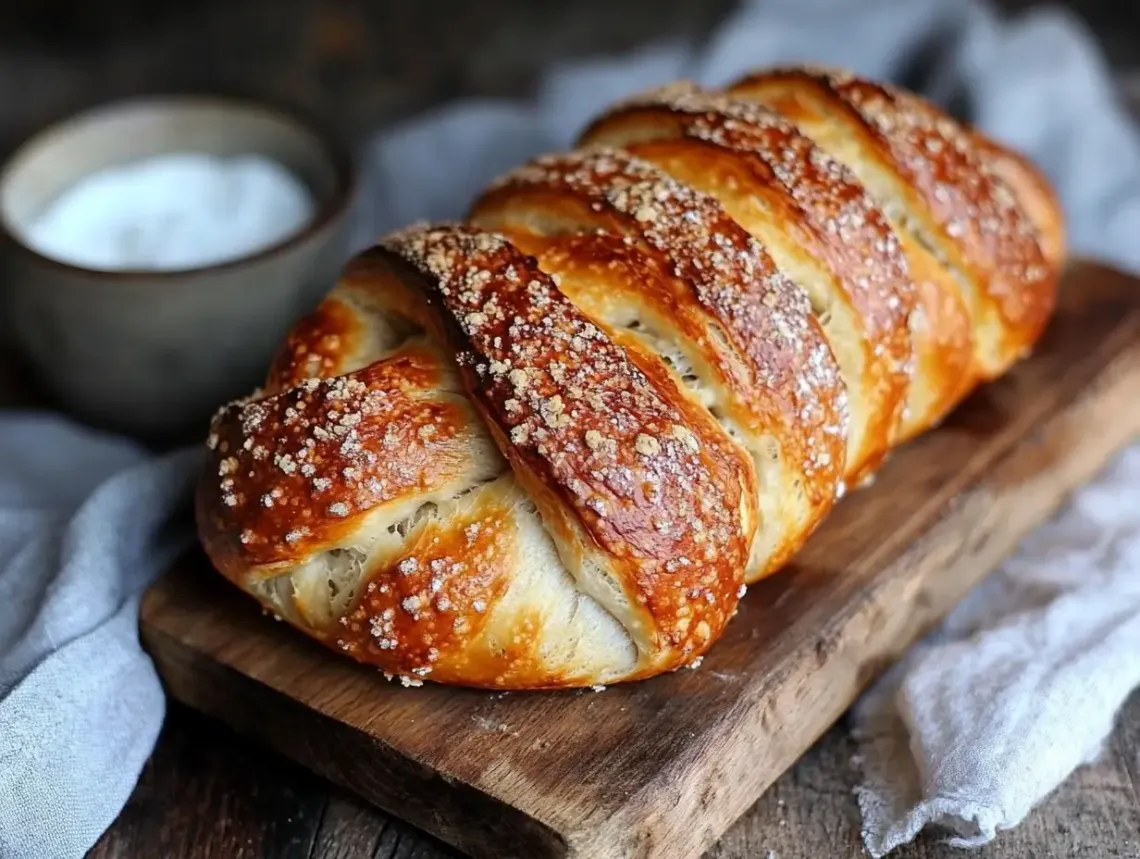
(154, 353)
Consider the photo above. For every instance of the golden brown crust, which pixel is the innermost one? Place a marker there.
(576, 417)
(316, 347)
(976, 209)
(944, 344)
(594, 269)
(748, 156)
(297, 470)
(672, 253)
(1034, 193)
(761, 315)
(547, 449)
(976, 218)
(600, 271)
(825, 199)
(420, 613)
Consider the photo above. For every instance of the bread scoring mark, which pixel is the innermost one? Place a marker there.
(843, 225)
(546, 376)
(297, 469)
(975, 209)
(947, 343)
(610, 278)
(423, 614)
(765, 316)
(945, 359)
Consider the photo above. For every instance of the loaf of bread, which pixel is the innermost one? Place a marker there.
(550, 446)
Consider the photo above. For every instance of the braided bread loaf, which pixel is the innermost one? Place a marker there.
(549, 447)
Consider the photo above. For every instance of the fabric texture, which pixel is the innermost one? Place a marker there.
(86, 521)
(970, 731)
(1020, 685)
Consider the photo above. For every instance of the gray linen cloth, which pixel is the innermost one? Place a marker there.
(86, 521)
(970, 731)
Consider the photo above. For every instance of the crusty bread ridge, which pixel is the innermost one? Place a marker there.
(550, 446)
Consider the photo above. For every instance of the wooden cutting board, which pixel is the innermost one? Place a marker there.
(660, 769)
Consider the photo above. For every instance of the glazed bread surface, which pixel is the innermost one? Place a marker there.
(550, 446)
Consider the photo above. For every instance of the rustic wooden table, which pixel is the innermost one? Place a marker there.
(208, 794)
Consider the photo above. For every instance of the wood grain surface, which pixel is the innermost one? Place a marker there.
(209, 794)
(663, 768)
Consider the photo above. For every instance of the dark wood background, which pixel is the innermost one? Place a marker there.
(356, 65)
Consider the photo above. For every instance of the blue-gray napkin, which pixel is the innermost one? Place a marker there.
(86, 521)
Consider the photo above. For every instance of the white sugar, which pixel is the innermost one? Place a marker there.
(175, 211)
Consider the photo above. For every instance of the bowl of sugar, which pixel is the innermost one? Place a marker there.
(157, 250)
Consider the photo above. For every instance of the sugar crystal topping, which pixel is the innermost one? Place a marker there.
(852, 235)
(581, 414)
(301, 461)
(974, 206)
(419, 611)
(765, 316)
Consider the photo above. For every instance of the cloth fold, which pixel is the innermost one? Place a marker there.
(86, 521)
(970, 731)
(1018, 687)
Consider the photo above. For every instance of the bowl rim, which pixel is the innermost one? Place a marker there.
(334, 147)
